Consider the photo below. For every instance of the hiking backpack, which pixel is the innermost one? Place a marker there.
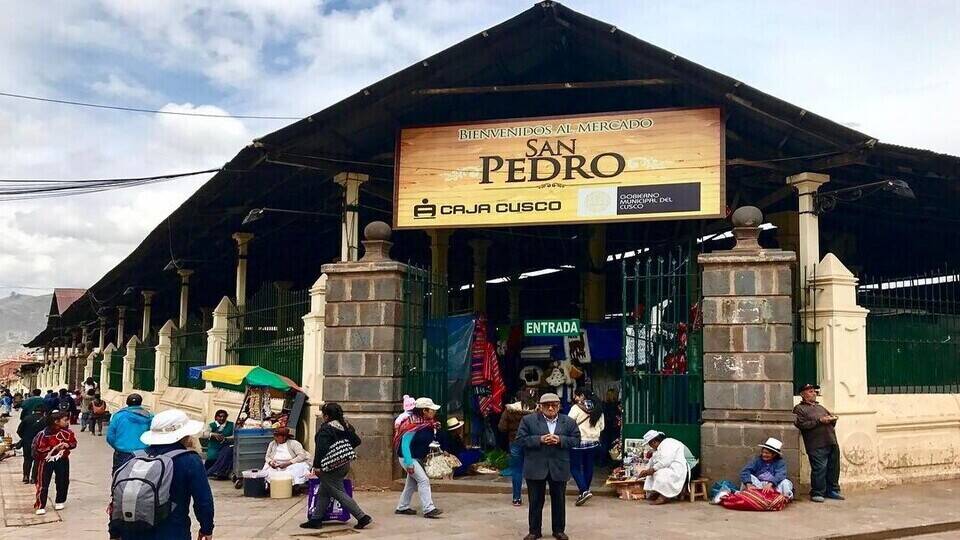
(141, 491)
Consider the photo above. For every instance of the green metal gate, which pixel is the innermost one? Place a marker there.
(423, 361)
(188, 348)
(116, 369)
(269, 331)
(144, 365)
(97, 362)
(663, 346)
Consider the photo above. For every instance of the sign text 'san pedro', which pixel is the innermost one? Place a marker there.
(628, 166)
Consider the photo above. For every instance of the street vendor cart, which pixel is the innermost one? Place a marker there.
(270, 401)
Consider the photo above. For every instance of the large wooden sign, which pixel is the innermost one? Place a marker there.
(625, 166)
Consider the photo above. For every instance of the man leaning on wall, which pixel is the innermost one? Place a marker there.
(817, 425)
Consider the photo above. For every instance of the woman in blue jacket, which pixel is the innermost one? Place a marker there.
(768, 471)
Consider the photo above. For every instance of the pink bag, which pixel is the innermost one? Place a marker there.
(334, 511)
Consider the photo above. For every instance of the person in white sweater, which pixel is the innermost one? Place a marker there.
(588, 414)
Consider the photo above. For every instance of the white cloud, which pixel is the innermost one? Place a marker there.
(117, 86)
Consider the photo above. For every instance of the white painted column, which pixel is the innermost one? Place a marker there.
(807, 184)
(120, 320)
(313, 351)
(161, 371)
(88, 367)
(128, 361)
(61, 373)
(219, 333)
(243, 248)
(102, 341)
(350, 234)
(104, 376)
(147, 309)
(184, 295)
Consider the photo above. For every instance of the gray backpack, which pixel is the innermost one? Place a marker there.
(141, 491)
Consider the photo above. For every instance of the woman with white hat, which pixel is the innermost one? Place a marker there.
(669, 467)
(768, 471)
(171, 431)
(411, 441)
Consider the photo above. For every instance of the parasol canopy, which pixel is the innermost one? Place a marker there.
(248, 375)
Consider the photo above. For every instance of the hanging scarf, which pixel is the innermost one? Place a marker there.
(486, 377)
(412, 424)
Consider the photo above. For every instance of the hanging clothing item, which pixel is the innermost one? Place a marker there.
(485, 376)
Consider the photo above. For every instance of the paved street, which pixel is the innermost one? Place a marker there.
(485, 516)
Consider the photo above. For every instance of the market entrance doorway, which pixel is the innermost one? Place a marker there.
(662, 378)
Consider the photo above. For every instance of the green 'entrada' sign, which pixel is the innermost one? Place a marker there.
(565, 327)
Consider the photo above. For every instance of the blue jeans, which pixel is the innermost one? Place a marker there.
(581, 466)
(516, 468)
(824, 470)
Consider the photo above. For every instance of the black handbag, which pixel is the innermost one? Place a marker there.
(340, 453)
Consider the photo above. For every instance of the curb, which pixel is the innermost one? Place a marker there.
(900, 532)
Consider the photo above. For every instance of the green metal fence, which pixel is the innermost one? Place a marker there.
(188, 348)
(144, 365)
(913, 333)
(805, 342)
(269, 332)
(116, 369)
(97, 363)
(423, 361)
(663, 346)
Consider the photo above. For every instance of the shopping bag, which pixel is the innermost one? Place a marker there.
(334, 511)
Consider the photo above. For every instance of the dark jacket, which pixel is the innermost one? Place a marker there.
(541, 461)
(189, 482)
(28, 405)
(329, 433)
(52, 401)
(28, 429)
(815, 434)
(510, 422)
(774, 471)
(419, 443)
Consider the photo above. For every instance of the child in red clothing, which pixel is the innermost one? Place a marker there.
(51, 452)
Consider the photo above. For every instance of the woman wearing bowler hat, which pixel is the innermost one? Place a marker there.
(768, 471)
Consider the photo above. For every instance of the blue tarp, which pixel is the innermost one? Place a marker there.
(459, 337)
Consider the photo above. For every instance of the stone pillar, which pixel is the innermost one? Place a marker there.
(480, 247)
(362, 342)
(748, 352)
(594, 277)
(513, 292)
(147, 308)
(439, 262)
(103, 378)
(218, 334)
(184, 295)
(88, 367)
(120, 321)
(312, 375)
(161, 370)
(102, 338)
(128, 361)
(349, 245)
(840, 329)
(62, 372)
(808, 224)
(243, 248)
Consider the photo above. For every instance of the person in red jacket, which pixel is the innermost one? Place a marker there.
(51, 452)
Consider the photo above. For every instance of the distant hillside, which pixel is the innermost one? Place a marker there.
(21, 318)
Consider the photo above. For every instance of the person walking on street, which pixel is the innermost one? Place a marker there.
(52, 401)
(547, 438)
(29, 404)
(86, 406)
(411, 442)
(98, 415)
(172, 433)
(334, 443)
(509, 424)
(588, 414)
(125, 429)
(816, 424)
(34, 423)
(51, 450)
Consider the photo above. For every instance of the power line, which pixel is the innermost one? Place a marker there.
(149, 111)
(25, 189)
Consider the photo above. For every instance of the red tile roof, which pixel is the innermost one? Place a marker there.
(65, 297)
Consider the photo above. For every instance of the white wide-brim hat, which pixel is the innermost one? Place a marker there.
(426, 403)
(773, 445)
(169, 427)
(649, 436)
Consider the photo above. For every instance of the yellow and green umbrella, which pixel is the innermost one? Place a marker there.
(248, 375)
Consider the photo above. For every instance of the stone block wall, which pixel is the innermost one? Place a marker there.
(747, 359)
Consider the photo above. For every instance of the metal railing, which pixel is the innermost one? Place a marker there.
(144, 366)
(269, 331)
(805, 341)
(423, 360)
(116, 369)
(913, 333)
(188, 348)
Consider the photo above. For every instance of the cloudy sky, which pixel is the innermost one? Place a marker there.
(887, 68)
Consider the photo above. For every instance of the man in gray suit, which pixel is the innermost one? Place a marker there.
(547, 438)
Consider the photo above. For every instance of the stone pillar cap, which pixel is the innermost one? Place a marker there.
(377, 244)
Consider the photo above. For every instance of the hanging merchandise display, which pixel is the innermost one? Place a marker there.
(485, 377)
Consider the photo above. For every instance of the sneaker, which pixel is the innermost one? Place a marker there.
(41, 511)
(517, 502)
(363, 522)
(59, 506)
(405, 512)
(433, 514)
(817, 498)
(836, 496)
(312, 524)
(583, 498)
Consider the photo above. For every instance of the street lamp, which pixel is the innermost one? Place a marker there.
(256, 214)
(825, 202)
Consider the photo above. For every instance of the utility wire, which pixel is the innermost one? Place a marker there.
(24, 189)
(150, 111)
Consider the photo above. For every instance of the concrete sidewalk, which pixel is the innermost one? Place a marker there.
(469, 516)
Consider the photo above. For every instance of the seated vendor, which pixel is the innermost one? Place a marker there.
(285, 455)
(669, 468)
(452, 442)
(768, 471)
(219, 439)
